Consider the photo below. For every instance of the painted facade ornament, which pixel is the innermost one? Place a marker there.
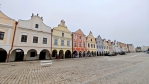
(62, 24)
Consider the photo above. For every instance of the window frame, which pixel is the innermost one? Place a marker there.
(55, 41)
(80, 44)
(43, 40)
(36, 25)
(34, 40)
(62, 34)
(25, 38)
(62, 42)
(2, 35)
(68, 42)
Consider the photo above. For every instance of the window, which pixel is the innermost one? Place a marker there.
(99, 41)
(94, 45)
(44, 40)
(55, 41)
(80, 44)
(62, 42)
(91, 39)
(84, 44)
(91, 45)
(88, 45)
(80, 37)
(97, 46)
(68, 43)
(62, 34)
(75, 44)
(24, 38)
(36, 25)
(35, 39)
(32, 54)
(2, 35)
(107, 47)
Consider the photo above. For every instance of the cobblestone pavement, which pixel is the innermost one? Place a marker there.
(132, 68)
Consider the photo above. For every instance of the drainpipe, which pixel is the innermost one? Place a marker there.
(8, 56)
(51, 45)
(72, 45)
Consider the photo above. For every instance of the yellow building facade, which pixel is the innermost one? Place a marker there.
(91, 45)
(61, 41)
(7, 29)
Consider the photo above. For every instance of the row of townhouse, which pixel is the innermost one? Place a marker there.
(33, 40)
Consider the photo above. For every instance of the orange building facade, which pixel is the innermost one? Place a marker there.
(79, 44)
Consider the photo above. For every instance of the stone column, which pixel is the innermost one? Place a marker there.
(63, 56)
(24, 57)
(37, 56)
(50, 56)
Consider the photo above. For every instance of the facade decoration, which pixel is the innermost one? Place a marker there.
(79, 44)
(91, 45)
(61, 41)
(7, 30)
(106, 47)
(100, 46)
(32, 40)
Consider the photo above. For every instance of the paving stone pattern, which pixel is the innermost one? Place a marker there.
(123, 69)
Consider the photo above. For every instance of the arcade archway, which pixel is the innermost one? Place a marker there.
(80, 54)
(68, 54)
(75, 54)
(31, 54)
(61, 54)
(54, 54)
(3, 55)
(17, 55)
(44, 54)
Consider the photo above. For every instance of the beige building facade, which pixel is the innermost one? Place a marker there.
(131, 48)
(106, 47)
(91, 45)
(123, 47)
(32, 40)
(61, 41)
(7, 30)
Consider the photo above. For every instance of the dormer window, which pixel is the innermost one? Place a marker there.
(36, 25)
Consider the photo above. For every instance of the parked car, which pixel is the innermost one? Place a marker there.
(122, 53)
(112, 54)
(148, 51)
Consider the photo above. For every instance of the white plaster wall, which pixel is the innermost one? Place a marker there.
(99, 44)
(12, 56)
(27, 27)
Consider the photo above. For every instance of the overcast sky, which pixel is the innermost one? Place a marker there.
(124, 20)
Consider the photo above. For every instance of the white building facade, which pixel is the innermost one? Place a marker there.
(144, 48)
(116, 47)
(100, 46)
(32, 40)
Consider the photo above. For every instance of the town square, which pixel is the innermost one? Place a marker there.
(74, 42)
